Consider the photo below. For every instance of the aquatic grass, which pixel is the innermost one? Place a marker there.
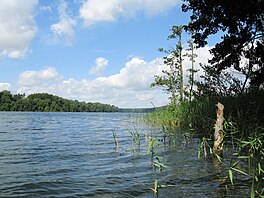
(152, 144)
(247, 110)
(158, 164)
(243, 128)
(156, 185)
(135, 140)
(116, 141)
(202, 148)
(249, 148)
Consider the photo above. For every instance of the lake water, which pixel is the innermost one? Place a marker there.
(74, 155)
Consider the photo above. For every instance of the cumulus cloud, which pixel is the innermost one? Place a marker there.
(38, 81)
(100, 65)
(5, 86)
(64, 28)
(128, 88)
(93, 11)
(17, 27)
(203, 55)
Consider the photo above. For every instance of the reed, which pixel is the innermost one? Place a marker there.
(156, 185)
(116, 141)
(247, 110)
(243, 128)
(135, 140)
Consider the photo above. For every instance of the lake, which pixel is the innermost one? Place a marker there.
(74, 155)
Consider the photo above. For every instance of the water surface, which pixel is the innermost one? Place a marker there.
(74, 155)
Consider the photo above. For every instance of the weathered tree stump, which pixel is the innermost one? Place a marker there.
(219, 132)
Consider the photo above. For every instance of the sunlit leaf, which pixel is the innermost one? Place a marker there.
(252, 193)
(230, 176)
(240, 171)
(156, 186)
(243, 157)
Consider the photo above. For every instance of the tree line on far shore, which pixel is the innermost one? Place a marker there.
(44, 102)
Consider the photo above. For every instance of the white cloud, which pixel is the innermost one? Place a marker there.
(100, 65)
(5, 86)
(129, 88)
(42, 80)
(64, 27)
(17, 27)
(93, 11)
(203, 55)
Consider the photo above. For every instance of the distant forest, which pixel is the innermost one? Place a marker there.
(43, 102)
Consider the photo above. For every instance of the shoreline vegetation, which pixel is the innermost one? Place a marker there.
(243, 129)
(234, 76)
(43, 102)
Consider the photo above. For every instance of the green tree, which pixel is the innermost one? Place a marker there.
(223, 84)
(5, 100)
(47, 102)
(172, 80)
(241, 22)
(190, 53)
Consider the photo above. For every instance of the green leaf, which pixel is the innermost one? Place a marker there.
(160, 165)
(243, 157)
(156, 186)
(252, 193)
(218, 157)
(240, 171)
(230, 176)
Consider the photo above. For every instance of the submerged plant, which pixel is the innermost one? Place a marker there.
(135, 140)
(158, 164)
(249, 148)
(152, 144)
(203, 145)
(156, 185)
(116, 141)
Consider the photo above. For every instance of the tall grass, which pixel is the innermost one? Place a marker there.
(246, 110)
(243, 128)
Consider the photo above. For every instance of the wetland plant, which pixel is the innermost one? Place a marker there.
(116, 141)
(135, 140)
(152, 144)
(156, 186)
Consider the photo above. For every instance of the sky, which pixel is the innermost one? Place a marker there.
(89, 50)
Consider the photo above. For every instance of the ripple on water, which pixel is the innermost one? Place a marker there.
(74, 155)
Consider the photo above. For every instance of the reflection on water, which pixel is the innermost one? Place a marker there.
(73, 155)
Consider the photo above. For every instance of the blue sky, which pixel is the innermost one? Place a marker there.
(90, 50)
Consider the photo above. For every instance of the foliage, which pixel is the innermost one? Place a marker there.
(246, 109)
(249, 148)
(48, 103)
(190, 53)
(243, 128)
(222, 85)
(172, 78)
(243, 31)
(135, 140)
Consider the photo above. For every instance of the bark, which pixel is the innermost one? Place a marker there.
(219, 134)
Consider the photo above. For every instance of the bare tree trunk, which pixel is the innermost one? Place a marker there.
(219, 134)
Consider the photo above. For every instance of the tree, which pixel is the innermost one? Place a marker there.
(190, 53)
(47, 102)
(223, 84)
(241, 22)
(172, 80)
